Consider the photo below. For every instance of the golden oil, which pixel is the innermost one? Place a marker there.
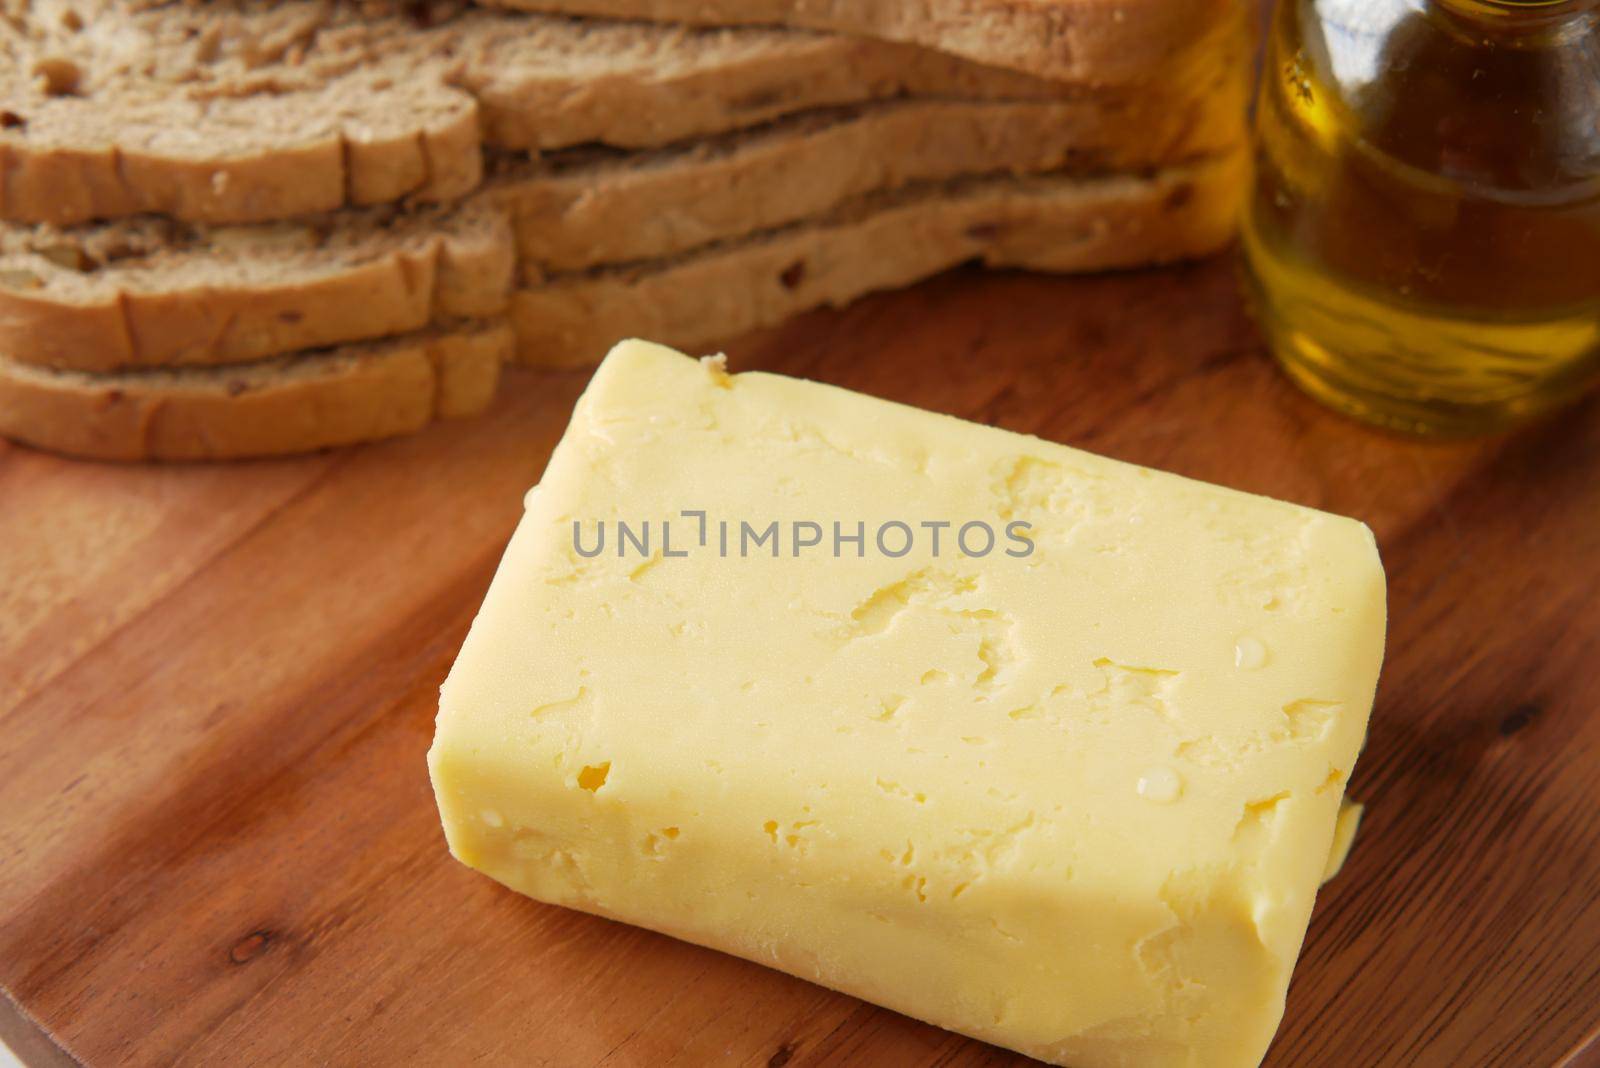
(1423, 239)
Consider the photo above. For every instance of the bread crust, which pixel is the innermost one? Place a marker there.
(1045, 223)
(298, 404)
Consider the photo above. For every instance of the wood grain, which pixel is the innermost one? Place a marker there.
(217, 684)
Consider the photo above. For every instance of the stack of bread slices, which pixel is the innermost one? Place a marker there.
(242, 228)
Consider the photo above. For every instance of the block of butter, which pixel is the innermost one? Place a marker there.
(1033, 745)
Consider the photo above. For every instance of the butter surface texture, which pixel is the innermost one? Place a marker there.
(1076, 803)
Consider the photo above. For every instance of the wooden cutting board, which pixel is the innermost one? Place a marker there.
(217, 684)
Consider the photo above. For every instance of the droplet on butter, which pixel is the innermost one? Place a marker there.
(1160, 785)
(1249, 654)
(491, 818)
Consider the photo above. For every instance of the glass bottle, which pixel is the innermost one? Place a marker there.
(1423, 239)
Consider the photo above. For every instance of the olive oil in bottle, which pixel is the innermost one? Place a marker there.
(1423, 239)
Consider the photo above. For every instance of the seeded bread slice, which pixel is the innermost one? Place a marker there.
(293, 404)
(881, 242)
(1092, 41)
(247, 110)
(150, 292)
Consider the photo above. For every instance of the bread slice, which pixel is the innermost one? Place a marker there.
(586, 207)
(247, 110)
(150, 292)
(225, 112)
(292, 404)
(544, 83)
(881, 242)
(1090, 41)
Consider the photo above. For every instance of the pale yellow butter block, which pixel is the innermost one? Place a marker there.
(1076, 802)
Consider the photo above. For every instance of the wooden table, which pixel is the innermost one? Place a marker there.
(217, 684)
